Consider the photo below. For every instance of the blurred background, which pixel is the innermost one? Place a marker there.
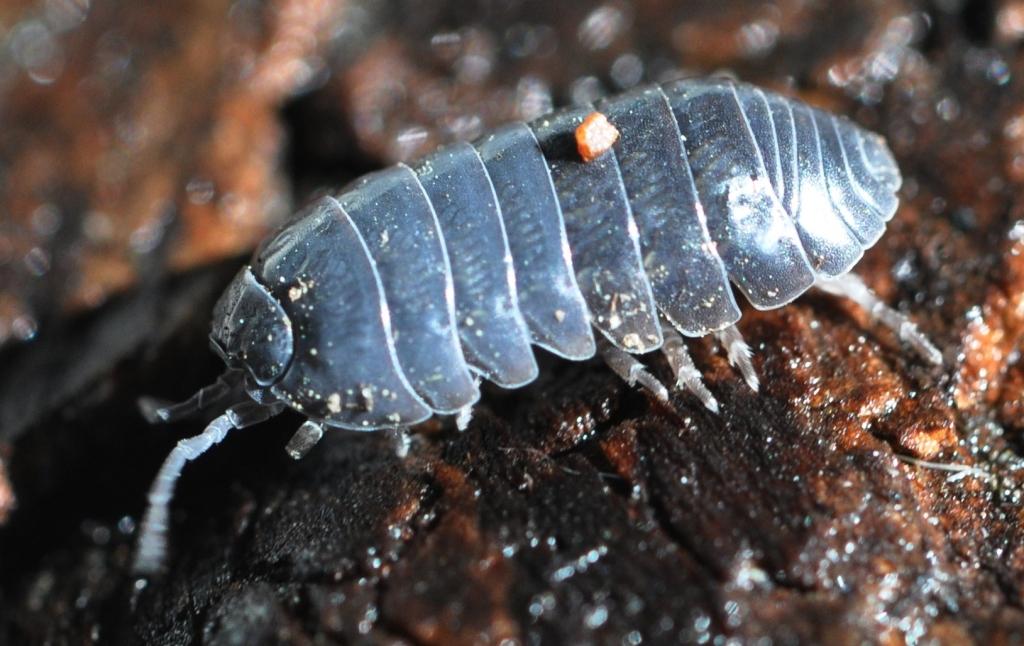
(145, 148)
(140, 139)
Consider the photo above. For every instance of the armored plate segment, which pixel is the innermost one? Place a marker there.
(345, 370)
(762, 127)
(549, 298)
(860, 213)
(880, 189)
(754, 235)
(251, 330)
(398, 224)
(831, 246)
(602, 236)
(878, 158)
(494, 336)
(687, 277)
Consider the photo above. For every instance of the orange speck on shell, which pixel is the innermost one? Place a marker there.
(595, 136)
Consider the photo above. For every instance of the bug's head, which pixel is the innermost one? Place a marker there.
(251, 330)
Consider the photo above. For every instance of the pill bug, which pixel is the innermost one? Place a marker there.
(386, 303)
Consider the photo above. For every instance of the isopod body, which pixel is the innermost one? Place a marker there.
(386, 303)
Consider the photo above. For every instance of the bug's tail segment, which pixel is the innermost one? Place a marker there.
(880, 159)
(152, 546)
(872, 166)
(754, 236)
(159, 411)
(857, 208)
(851, 286)
(830, 243)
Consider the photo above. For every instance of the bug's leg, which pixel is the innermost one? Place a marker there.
(632, 371)
(400, 441)
(463, 418)
(305, 439)
(852, 287)
(152, 547)
(687, 375)
(465, 414)
(158, 411)
(739, 354)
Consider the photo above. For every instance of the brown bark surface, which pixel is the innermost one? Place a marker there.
(575, 510)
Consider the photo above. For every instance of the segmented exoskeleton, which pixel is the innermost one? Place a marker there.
(386, 303)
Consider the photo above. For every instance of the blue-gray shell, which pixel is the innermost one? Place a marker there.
(414, 282)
